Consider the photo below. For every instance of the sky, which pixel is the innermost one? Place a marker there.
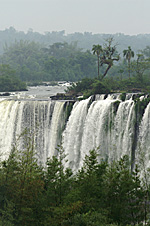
(97, 16)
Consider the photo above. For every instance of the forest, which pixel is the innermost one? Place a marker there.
(33, 58)
(84, 40)
(100, 193)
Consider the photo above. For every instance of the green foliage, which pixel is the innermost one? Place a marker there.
(57, 178)
(89, 87)
(62, 50)
(61, 61)
(7, 214)
(128, 54)
(123, 193)
(84, 40)
(9, 80)
(106, 55)
(22, 179)
(123, 96)
(33, 62)
(92, 218)
(131, 85)
(100, 193)
(99, 87)
(97, 49)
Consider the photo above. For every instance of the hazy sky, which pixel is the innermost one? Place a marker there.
(96, 16)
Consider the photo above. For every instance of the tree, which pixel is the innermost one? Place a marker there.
(128, 53)
(89, 181)
(97, 49)
(140, 66)
(146, 51)
(123, 193)
(106, 55)
(57, 185)
(23, 183)
(8, 79)
(57, 177)
(26, 58)
(110, 55)
(62, 50)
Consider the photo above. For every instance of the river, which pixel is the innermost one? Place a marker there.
(37, 92)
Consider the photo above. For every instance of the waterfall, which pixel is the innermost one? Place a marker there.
(143, 148)
(115, 126)
(107, 124)
(42, 118)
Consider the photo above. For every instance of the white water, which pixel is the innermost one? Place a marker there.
(104, 123)
(99, 126)
(143, 148)
(43, 118)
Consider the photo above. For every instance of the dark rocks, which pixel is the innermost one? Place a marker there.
(5, 94)
(65, 96)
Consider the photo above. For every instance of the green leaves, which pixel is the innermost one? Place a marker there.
(123, 193)
(61, 61)
(128, 53)
(57, 179)
(97, 49)
(106, 55)
(9, 80)
(98, 194)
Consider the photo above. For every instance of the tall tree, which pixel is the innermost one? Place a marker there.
(106, 55)
(110, 55)
(128, 53)
(97, 50)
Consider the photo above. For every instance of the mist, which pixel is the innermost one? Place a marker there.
(96, 16)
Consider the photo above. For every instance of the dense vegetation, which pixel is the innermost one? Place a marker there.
(130, 75)
(97, 194)
(9, 80)
(61, 61)
(84, 40)
(34, 61)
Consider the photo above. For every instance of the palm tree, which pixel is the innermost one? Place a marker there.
(128, 53)
(97, 50)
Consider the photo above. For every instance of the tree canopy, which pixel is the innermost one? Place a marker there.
(9, 80)
(128, 54)
(98, 194)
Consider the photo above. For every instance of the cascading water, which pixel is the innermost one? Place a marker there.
(43, 118)
(143, 146)
(107, 123)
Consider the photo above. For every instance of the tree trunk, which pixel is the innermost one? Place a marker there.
(129, 69)
(109, 66)
(98, 65)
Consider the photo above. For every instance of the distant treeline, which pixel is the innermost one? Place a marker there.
(84, 40)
